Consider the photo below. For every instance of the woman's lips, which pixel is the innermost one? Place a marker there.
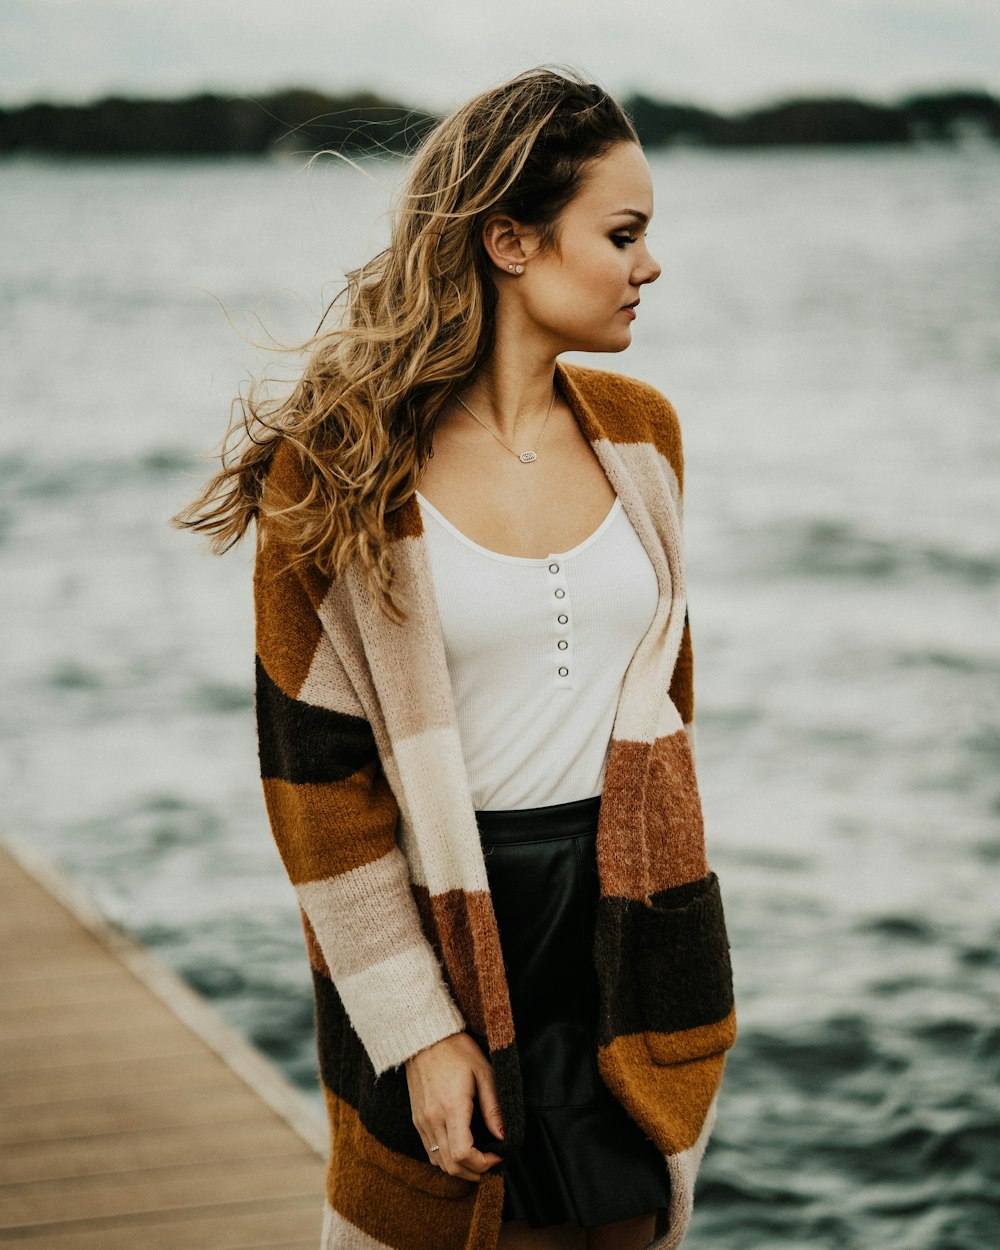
(630, 309)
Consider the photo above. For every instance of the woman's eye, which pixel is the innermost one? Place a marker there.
(623, 240)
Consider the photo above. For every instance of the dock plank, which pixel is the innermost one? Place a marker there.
(34, 1023)
(130, 1115)
(191, 1070)
(262, 1226)
(107, 985)
(145, 1040)
(155, 1189)
(145, 1148)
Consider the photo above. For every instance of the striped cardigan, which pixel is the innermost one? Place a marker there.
(369, 803)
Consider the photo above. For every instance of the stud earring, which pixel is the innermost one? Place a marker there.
(516, 268)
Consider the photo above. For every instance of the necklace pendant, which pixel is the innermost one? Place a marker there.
(528, 456)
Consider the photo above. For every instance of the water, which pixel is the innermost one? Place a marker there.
(827, 327)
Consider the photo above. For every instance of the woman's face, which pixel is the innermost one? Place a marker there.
(578, 296)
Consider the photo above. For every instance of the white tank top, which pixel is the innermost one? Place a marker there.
(536, 651)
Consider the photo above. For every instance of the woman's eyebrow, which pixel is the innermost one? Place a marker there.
(631, 212)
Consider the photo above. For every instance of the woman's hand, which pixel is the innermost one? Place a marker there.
(443, 1079)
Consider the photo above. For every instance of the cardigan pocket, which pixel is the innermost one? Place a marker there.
(388, 1141)
(682, 973)
(394, 1175)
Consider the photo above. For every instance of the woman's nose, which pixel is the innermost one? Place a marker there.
(649, 271)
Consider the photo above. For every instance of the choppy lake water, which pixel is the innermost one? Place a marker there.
(827, 327)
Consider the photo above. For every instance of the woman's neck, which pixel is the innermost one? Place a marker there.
(512, 392)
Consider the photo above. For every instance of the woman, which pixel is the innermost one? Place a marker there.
(474, 706)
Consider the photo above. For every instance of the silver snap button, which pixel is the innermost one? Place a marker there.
(560, 593)
(562, 644)
(553, 568)
(562, 618)
(564, 672)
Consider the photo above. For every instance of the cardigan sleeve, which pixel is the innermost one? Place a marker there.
(334, 819)
(670, 443)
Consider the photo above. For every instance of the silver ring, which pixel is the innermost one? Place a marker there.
(432, 1149)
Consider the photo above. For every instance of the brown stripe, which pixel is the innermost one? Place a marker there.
(624, 414)
(313, 950)
(287, 484)
(675, 830)
(470, 950)
(621, 859)
(682, 681)
(422, 897)
(667, 433)
(332, 828)
(287, 628)
(707, 1039)
(406, 1202)
(631, 411)
(669, 1102)
(490, 967)
(406, 521)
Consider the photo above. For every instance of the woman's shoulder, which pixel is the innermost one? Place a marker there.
(607, 383)
(287, 480)
(630, 409)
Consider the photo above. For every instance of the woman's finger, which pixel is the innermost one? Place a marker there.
(433, 1156)
(465, 1158)
(489, 1101)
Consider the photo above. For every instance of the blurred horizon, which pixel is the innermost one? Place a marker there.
(301, 120)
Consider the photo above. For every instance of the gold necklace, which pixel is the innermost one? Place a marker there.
(525, 457)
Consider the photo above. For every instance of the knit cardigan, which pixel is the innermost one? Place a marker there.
(369, 803)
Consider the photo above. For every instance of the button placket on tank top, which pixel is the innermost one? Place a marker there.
(561, 616)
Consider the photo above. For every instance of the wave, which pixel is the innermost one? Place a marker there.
(839, 550)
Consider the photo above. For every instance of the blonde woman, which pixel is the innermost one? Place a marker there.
(475, 710)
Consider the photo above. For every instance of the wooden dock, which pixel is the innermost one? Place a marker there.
(131, 1116)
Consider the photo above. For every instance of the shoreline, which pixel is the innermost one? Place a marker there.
(300, 121)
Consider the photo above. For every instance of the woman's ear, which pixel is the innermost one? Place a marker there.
(504, 241)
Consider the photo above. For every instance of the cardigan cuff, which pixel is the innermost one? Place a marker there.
(400, 1006)
(386, 972)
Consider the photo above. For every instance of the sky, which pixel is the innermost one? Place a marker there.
(724, 54)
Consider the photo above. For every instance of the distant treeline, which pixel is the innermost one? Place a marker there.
(302, 121)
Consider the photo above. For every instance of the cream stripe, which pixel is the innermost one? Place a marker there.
(400, 1006)
(439, 814)
(668, 721)
(326, 684)
(397, 1004)
(361, 915)
(641, 474)
(408, 664)
(341, 1234)
(689, 729)
(683, 1174)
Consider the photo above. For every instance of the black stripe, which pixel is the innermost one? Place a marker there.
(665, 967)
(383, 1104)
(299, 742)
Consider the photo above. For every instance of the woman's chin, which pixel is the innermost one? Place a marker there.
(617, 341)
(622, 340)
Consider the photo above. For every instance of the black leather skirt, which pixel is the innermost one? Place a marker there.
(583, 1158)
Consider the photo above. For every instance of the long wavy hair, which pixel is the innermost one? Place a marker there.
(417, 321)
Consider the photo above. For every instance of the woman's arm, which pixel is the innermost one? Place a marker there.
(334, 820)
